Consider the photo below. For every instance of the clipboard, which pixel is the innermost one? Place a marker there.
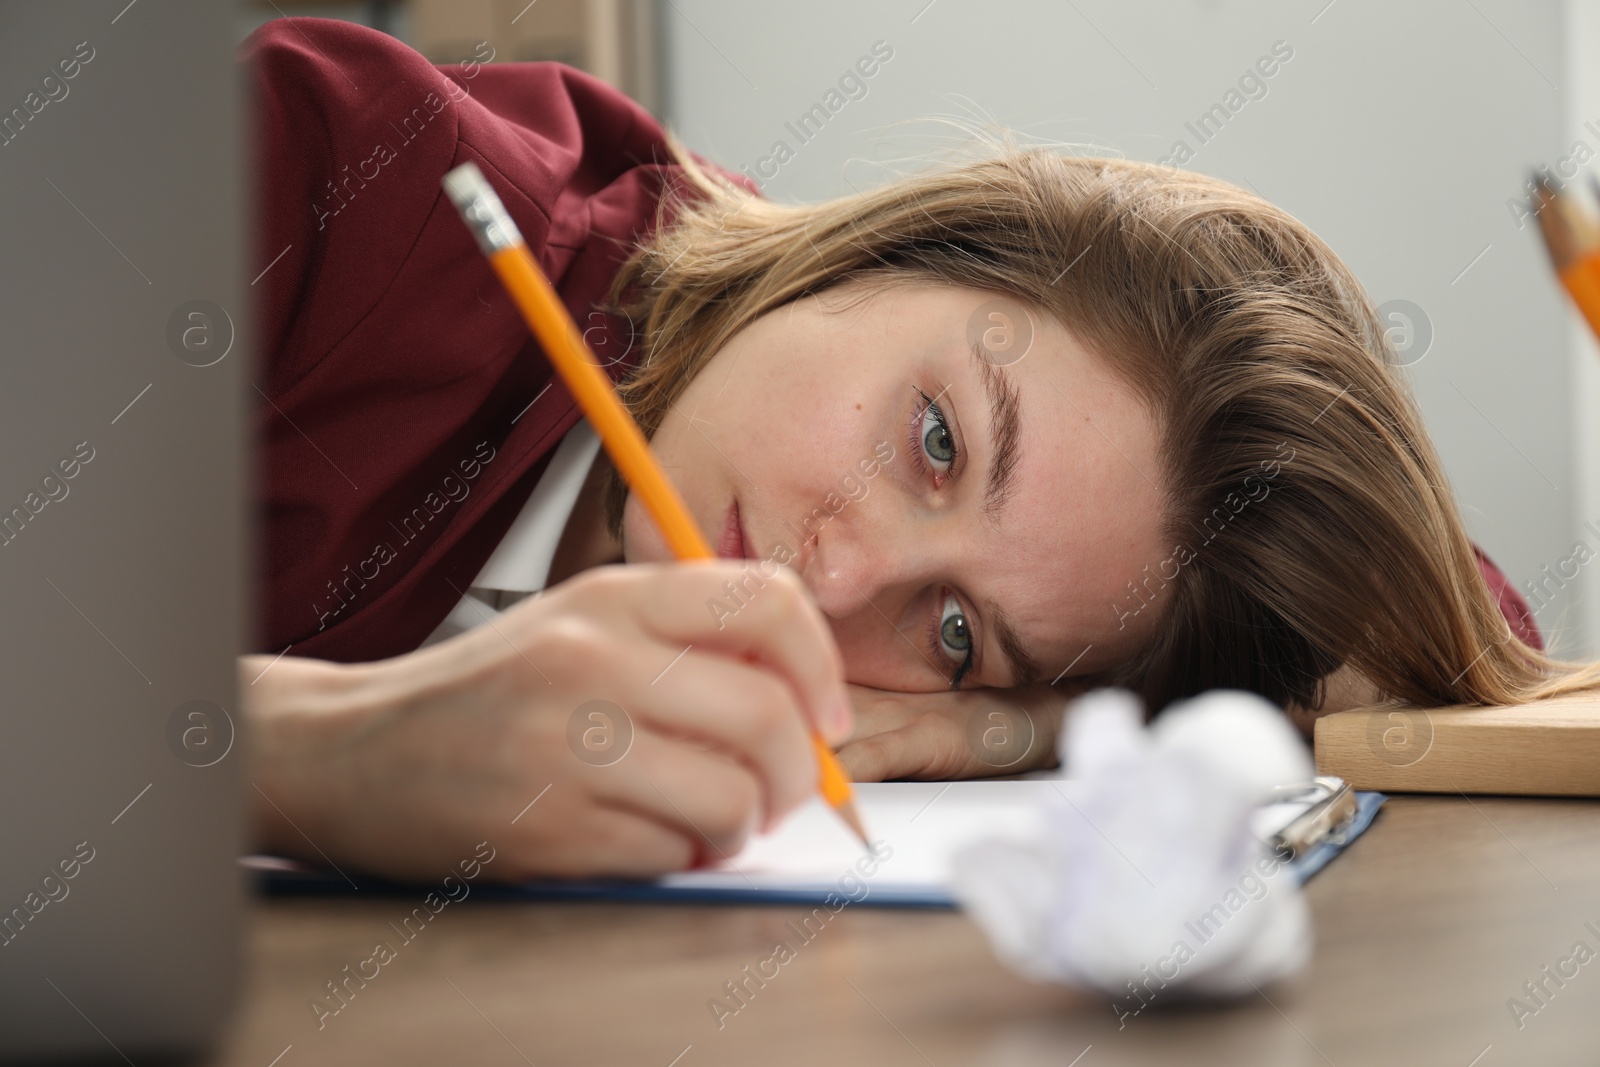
(802, 863)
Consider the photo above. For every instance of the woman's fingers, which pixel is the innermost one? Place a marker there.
(928, 750)
(587, 839)
(700, 795)
(905, 735)
(733, 609)
(738, 709)
(968, 734)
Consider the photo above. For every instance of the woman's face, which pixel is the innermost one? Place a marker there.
(957, 512)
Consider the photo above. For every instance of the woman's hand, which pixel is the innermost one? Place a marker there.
(971, 733)
(611, 726)
(976, 733)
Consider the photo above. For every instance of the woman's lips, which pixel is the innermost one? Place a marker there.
(733, 544)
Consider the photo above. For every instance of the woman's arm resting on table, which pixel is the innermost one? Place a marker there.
(980, 732)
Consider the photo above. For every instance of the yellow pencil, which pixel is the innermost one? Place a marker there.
(1572, 239)
(500, 240)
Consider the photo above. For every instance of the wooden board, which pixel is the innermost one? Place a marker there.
(1550, 748)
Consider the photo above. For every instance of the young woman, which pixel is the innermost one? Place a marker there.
(970, 443)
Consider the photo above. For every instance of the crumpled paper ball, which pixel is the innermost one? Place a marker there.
(1148, 882)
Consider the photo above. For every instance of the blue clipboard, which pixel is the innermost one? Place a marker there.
(274, 878)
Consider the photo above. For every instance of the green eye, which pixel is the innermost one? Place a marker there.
(954, 635)
(937, 440)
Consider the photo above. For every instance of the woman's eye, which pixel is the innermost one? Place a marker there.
(937, 440)
(954, 636)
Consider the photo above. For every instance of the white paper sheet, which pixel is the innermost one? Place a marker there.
(920, 826)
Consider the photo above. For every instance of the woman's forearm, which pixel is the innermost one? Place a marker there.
(294, 707)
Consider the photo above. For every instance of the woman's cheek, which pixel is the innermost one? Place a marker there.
(641, 541)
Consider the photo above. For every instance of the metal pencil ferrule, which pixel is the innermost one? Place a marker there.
(481, 209)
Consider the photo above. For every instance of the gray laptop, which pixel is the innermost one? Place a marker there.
(124, 384)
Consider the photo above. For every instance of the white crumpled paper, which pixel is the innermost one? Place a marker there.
(1148, 882)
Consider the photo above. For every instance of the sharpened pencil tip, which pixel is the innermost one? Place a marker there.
(848, 813)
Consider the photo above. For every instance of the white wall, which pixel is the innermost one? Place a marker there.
(1397, 131)
(1582, 90)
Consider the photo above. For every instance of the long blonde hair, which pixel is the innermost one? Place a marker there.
(1242, 330)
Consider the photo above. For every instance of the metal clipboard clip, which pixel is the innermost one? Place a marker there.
(1333, 808)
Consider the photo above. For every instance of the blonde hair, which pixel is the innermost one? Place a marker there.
(1245, 334)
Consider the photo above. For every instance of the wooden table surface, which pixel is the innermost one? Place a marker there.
(1425, 928)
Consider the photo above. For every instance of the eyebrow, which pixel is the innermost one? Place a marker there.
(1005, 430)
(1024, 668)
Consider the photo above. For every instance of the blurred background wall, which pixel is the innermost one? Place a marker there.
(1404, 134)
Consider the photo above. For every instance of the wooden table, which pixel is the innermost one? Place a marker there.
(1426, 927)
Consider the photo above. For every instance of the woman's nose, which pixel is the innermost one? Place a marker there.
(848, 565)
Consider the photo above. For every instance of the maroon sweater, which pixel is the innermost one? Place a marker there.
(404, 410)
